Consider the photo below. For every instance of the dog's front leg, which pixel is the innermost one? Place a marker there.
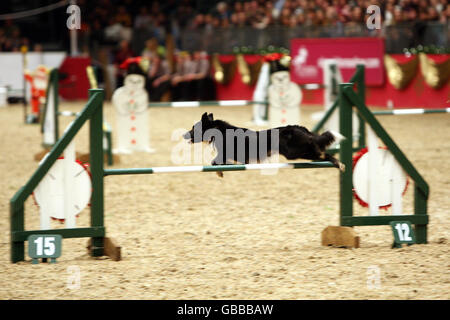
(335, 161)
(217, 161)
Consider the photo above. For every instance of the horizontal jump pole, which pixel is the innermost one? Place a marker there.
(410, 111)
(194, 104)
(233, 167)
(68, 113)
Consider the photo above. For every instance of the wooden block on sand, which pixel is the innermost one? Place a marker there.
(84, 157)
(340, 237)
(110, 249)
(38, 156)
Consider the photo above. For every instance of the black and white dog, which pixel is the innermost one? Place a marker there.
(242, 145)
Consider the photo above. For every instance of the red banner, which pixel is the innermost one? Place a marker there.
(308, 56)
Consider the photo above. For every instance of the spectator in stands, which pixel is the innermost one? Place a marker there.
(192, 80)
(446, 14)
(310, 19)
(389, 14)
(357, 16)
(198, 22)
(237, 7)
(398, 15)
(240, 19)
(37, 47)
(115, 18)
(116, 32)
(16, 40)
(159, 27)
(184, 13)
(222, 10)
(2, 39)
(433, 14)
(124, 52)
(123, 17)
(285, 16)
(178, 80)
(320, 18)
(159, 75)
(97, 36)
(151, 48)
(143, 19)
(331, 15)
(201, 83)
(259, 19)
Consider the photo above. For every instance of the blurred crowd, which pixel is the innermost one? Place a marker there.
(290, 13)
(130, 28)
(12, 40)
(184, 78)
(110, 21)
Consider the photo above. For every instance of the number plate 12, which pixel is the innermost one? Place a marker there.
(403, 233)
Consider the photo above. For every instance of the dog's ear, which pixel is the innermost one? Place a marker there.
(210, 117)
(205, 116)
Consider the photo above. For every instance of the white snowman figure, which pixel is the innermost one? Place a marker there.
(284, 95)
(131, 104)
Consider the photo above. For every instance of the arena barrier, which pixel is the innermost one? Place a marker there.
(398, 112)
(194, 104)
(101, 245)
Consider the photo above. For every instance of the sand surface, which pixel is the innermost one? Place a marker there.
(246, 236)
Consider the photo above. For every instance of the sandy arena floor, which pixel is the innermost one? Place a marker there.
(246, 236)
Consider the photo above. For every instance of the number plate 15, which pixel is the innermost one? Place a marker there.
(403, 233)
(44, 246)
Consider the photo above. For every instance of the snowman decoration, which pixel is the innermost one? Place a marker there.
(131, 105)
(284, 95)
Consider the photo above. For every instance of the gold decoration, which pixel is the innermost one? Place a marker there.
(223, 72)
(243, 69)
(435, 74)
(255, 68)
(91, 77)
(400, 74)
(285, 61)
(218, 73)
(144, 64)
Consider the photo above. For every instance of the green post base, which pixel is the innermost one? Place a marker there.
(97, 249)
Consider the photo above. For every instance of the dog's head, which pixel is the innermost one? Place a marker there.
(196, 134)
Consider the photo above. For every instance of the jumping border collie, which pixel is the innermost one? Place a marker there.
(294, 142)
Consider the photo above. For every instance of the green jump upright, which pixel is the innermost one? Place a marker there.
(53, 87)
(358, 79)
(96, 165)
(345, 154)
(347, 100)
(18, 235)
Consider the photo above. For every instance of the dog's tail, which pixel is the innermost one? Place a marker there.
(327, 138)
